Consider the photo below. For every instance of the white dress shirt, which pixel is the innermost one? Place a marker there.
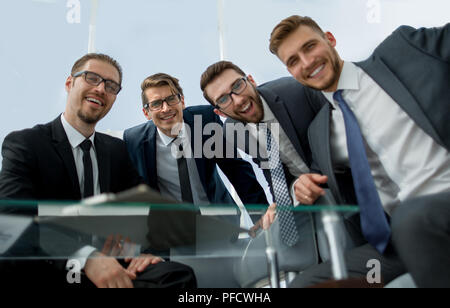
(288, 154)
(167, 169)
(404, 160)
(75, 139)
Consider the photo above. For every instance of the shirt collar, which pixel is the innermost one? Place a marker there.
(268, 114)
(74, 136)
(166, 140)
(348, 80)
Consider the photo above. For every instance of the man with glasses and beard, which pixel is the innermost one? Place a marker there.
(67, 159)
(252, 112)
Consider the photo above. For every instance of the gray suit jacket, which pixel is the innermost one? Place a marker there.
(413, 67)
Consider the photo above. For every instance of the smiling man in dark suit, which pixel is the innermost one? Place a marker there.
(285, 108)
(67, 159)
(385, 125)
(192, 178)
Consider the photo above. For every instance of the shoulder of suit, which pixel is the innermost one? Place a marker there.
(280, 83)
(138, 131)
(200, 109)
(206, 111)
(108, 138)
(34, 134)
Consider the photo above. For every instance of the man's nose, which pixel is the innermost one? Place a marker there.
(237, 99)
(165, 106)
(101, 87)
(306, 61)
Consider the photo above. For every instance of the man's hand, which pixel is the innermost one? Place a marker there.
(106, 272)
(307, 189)
(266, 220)
(140, 263)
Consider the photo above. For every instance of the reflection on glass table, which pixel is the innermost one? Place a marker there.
(209, 239)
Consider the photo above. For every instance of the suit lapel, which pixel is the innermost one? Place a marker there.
(278, 108)
(387, 80)
(104, 163)
(148, 153)
(199, 161)
(64, 150)
(320, 143)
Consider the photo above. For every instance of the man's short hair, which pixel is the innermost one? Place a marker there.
(213, 71)
(160, 80)
(288, 26)
(96, 56)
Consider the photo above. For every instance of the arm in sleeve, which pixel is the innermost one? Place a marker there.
(18, 169)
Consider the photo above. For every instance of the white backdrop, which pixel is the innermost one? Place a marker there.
(41, 39)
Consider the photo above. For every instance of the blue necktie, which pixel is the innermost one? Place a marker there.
(288, 229)
(374, 224)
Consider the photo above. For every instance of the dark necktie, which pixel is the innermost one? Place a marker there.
(183, 174)
(374, 224)
(88, 189)
(288, 229)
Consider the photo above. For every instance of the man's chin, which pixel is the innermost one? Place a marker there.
(319, 86)
(88, 119)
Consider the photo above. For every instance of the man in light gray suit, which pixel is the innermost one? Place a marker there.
(386, 122)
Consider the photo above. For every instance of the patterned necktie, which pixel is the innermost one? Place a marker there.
(374, 224)
(288, 229)
(88, 189)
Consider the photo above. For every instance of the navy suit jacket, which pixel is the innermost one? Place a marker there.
(413, 67)
(141, 144)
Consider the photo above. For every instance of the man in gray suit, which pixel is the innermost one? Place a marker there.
(386, 123)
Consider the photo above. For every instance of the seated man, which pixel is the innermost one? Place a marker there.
(191, 177)
(384, 124)
(67, 160)
(284, 108)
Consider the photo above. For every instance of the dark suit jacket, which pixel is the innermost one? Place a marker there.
(413, 67)
(141, 144)
(38, 164)
(294, 106)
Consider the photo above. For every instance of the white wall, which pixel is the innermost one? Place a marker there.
(41, 39)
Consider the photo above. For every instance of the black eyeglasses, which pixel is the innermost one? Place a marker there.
(171, 100)
(237, 88)
(94, 79)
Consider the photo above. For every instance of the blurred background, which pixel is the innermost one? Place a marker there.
(41, 39)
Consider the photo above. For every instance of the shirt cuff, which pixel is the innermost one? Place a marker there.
(292, 190)
(81, 256)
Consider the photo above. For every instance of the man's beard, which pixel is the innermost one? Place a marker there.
(336, 72)
(88, 119)
(258, 103)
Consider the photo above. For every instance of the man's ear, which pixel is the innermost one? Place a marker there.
(220, 113)
(147, 114)
(183, 106)
(330, 38)
(252, 81)
(68, 84)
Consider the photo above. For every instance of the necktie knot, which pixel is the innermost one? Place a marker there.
(86, 145)
(338, 96)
